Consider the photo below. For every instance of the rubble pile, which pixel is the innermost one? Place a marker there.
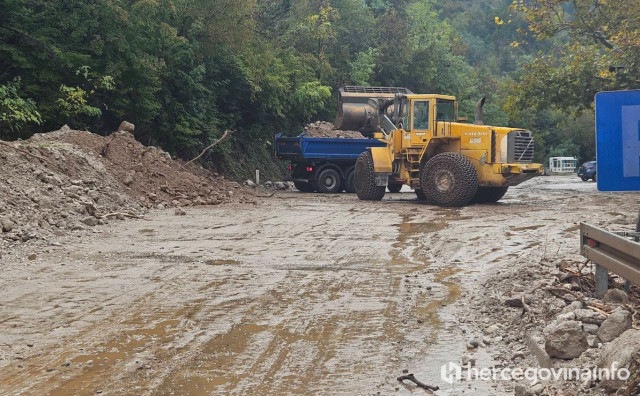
(323, 129)
(548, 316)
(71, 180)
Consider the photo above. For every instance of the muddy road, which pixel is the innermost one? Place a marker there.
(299, 294)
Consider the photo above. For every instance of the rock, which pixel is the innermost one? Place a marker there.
(537, 389)
(573, 306)
(616, 297)
(126, 127)
(616, 324)
(516, 300)
(590, 328)
(7, 224)
(90, 221)
(557, 305)
(280, 185)
(268, 184)
(589, 316)
(619, 352)
(487, 340)
(491, 329)
(524, 390)
(566, 316)
(593, 341)
(249, 183)
(32, 257)
(128, 179)
(180, 212)
(566, 340)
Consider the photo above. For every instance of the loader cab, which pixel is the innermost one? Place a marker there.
(428, 115)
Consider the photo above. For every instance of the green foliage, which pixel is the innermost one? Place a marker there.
(362, 67)
(15, 111)
(311, 98)
(184, 71)
(73, 103)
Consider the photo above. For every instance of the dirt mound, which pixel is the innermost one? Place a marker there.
(72, 180)
(323, 129)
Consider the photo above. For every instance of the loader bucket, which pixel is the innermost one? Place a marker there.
(358, 108)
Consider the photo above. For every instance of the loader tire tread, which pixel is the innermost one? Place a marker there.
(489, 194)
(366, 188)
(461, 177)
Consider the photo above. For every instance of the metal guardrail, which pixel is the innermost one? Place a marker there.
(617, 252)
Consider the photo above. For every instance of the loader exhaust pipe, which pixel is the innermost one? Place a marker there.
(479, 112)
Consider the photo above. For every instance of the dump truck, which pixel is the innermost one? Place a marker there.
(325, 165)
(447, 162)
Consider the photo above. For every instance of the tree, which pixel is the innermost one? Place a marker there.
(597, 47)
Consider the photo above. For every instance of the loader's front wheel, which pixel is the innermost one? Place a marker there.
(449, 179)
(420, 195)
(489, 194)
(366, 188)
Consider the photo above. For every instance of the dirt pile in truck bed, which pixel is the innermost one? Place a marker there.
(71, 180)
(323, 129)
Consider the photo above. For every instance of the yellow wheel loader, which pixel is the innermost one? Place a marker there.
(446, 161)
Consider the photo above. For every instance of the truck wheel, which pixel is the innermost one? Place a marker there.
(489, 194)
(303, 186)
(350, 182)
(366, 188)
(449, 179)
(394, 188)
(594, 178)
(328, 181)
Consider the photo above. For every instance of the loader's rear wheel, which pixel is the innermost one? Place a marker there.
(329, 181)
(489, 194)
(303, 186)
(366, 188)
(350, 182)
(449, 179)
(394, 188)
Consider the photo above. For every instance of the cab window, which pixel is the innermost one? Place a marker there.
(445, 110)
(421, 115)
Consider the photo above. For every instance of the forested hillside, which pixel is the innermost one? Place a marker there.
(184, 71)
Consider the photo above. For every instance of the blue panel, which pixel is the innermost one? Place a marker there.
(618, 140)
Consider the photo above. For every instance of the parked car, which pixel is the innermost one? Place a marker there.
(587, 171)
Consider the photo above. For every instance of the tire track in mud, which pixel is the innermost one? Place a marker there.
(326, 322)
(333, 296)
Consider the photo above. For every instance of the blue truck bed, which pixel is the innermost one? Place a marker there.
(328, 149)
